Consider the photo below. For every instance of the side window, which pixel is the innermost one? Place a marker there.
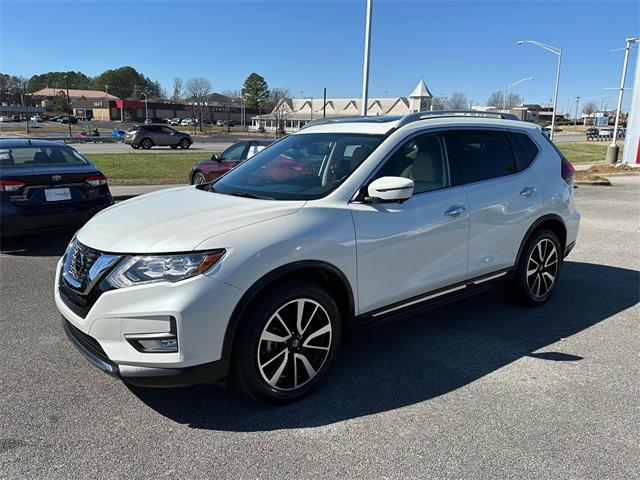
(484, 154)
(423, 159)
(234, 152)
(167, 130)
(525, 148)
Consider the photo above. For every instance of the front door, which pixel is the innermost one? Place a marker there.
(407, 249)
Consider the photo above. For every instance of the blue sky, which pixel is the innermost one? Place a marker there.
(306, 45)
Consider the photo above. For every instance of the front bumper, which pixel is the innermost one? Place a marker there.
(212, 372)
(200, 309)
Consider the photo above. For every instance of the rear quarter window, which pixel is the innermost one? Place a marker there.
(526, 150)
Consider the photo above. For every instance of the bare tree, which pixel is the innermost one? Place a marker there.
(177, 89)
(589, 108)
(439, 102)
(457, 101)
(513, 100)
(276, 96)
(198, 88)
(496, 100)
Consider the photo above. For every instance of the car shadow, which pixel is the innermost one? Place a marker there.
(400, 363)
(49, 244)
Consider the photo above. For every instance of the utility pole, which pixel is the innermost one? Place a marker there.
(324, 102)
(575, 120)
(367, 47)
(24, 104)
(612, 151)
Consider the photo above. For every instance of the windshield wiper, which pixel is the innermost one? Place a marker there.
(249, 195)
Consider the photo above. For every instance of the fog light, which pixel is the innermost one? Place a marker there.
(154, 342)
(159, 345)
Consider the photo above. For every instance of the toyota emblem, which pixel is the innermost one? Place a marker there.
(56, 178)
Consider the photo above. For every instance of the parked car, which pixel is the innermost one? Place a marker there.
(147, 136)
(47, 185)
(605, 134)
(220, 123)
(6, 118)
(259, 274)
(36, 118)
(622, 132)
(174, 121)
(67, 119)
(188, 121)
(155, 120)
(118, 134)
(207, 170)
(17, 118)
(592, 133)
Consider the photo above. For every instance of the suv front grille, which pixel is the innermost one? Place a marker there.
(82, 259)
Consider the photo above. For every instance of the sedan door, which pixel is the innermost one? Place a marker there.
(406, 250)
(504, 199)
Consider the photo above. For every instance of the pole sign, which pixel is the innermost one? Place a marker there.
(631, 153)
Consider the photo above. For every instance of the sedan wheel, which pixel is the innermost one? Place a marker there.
(185, 143)
(198, 179)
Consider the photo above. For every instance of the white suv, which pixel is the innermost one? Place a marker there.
(259, 274)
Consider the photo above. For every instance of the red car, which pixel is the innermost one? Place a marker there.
(207, 170)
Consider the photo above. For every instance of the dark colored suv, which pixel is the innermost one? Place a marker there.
(147, 136)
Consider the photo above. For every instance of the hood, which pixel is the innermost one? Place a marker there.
(176, 220)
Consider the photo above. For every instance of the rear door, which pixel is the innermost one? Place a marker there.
(504, 197)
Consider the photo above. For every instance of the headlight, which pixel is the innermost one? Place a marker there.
(135, 270)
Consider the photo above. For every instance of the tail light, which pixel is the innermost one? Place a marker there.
(568, 171)
(96, 180)
(10, 185)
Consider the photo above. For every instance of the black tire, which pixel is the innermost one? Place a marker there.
(146, 143)
(286, 362)
(185, 143)
(536, 274)
(135, 146)
(198, 178)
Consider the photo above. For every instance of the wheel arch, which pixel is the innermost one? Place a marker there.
(553, 223)
(327, 274)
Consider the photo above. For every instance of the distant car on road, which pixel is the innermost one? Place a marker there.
(605, 134)
(207, 170)
(67, 119)
(47, 185)
(147, 136)
(592, 133)
(5, 118)
(157, 121)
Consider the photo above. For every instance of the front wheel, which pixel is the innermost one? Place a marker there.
(185, 143)
(135, 146)
(146, 143)
(198, 179)
(286, 342)
(537, 272)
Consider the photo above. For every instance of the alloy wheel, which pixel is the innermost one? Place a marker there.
(198, 179)
(542, 268)
(294, 344)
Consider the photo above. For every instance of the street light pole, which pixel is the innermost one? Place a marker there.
(367, 47)
(146, 109)
(575, 120)
(612, 151)
(518, 82)
(66, 77)
(557, 51)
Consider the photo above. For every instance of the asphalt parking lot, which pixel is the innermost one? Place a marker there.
(478, 389)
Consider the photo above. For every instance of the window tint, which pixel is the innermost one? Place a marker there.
(234, 152)
(422, 159)
(167, 130)
(40, 157)
(484, 154)
(527, 150)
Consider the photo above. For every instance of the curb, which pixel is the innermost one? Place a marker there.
(604, 182)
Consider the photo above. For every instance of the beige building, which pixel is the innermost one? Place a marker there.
(291, 114)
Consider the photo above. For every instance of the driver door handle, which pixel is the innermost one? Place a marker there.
(527, 191)
(455, 210)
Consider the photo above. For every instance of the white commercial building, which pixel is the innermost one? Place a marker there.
(291, 114)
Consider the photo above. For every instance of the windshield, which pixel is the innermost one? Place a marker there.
(40, 157)
(299, 167)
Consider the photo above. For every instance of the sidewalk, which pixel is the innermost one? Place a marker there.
(123, 192)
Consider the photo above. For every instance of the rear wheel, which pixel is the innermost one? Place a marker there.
(286, 342)
(146, 143)
(185, 143)
(537, 271)
(198, 179)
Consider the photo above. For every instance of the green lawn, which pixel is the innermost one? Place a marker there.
(146, 168)
(586, 152)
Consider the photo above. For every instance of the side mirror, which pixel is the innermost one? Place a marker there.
(389, 190)
(214, 157)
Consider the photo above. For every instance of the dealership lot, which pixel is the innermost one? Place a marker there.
(477, 389)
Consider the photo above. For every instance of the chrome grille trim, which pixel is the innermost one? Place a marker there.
(84, 266)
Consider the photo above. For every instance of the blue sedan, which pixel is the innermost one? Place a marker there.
(46, 185)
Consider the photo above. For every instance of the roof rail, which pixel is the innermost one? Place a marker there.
(414, 117)
(353, 119)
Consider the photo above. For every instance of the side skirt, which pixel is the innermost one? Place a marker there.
(435, 298)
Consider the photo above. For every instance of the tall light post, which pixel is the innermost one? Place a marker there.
(146, 109)
(557, 51)
(66, 78)
(367, 48)
(612, 151)
(575, 120)
(511, 85)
